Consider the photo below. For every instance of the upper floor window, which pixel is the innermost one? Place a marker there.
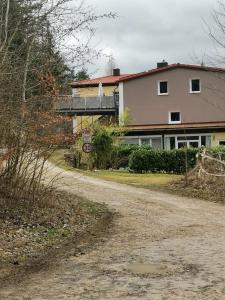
(174, 117)
(163, 87)
(195, 85)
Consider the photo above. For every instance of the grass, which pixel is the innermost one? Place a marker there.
(152, 181)
(169, 183)
(57, 158)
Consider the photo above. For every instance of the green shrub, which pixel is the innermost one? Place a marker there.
(120, 155)
(169, 161)
(102, 142)
(218, 152)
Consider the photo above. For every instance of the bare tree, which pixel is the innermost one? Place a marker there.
(35, 38)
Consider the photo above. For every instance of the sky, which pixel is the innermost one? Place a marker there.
(148, 31)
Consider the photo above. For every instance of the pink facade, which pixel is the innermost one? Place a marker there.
(146, 107)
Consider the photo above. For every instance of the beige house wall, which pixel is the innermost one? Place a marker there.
(93, 91)
(216, 137)
(85, 121)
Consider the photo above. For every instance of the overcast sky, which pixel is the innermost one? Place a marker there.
(147, 31)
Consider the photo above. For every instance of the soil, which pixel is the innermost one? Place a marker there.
(162, 247)
(33, 237)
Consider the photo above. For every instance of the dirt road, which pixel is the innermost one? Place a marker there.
(162, 247)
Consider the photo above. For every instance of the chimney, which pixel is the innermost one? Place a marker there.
(116, 72)
(162, 64)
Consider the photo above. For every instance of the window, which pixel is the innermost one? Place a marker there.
(174, 117)
(195, 86)
(156, 143)
(189, 140)
(131, 141)
(145, 141)
(162, 87)
(222, 142)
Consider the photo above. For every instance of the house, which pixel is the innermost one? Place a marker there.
(96, 99)
(170, 106)
(175, 105)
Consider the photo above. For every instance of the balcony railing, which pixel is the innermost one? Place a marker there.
(86, 104)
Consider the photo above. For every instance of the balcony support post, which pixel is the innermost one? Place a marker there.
(74, 122)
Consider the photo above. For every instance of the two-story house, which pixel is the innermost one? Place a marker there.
(175, 105)
(170, 106)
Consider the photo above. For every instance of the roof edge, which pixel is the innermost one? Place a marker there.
(170, 67)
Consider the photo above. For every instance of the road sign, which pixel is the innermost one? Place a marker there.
(86, 138)
(87, 147)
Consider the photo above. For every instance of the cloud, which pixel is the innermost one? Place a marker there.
(147, 31)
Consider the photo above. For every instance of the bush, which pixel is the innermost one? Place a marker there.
(120, 156)
(102, 142)
(169, 161)
(218, 152)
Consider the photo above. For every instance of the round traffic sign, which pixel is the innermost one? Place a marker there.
(87, 147)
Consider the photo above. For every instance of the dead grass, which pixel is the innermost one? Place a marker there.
(210, 189)
(57, 158)
(27, 234)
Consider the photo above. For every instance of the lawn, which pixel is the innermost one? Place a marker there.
(152, 181)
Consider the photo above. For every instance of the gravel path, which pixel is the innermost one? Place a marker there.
(162, 247)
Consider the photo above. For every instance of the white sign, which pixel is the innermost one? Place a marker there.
(86, 138)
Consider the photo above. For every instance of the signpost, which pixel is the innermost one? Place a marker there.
(87, 147)
(86, 138)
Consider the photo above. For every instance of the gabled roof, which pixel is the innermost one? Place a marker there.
(114, 80)
(106, 81)
(170, 67)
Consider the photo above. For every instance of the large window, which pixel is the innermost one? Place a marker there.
(154, 142)
(174, 117)
(163, 87)
(181, 141)
(195, 86)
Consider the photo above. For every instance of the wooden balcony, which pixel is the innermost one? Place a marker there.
(81, 106)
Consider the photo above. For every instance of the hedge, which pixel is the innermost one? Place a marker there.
(145, 159)
(120, 155)
(168, 161)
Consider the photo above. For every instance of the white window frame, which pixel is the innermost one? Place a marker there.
(169, 117)
(185, 135)
(158, 86)
(190, 86)
(150, 137)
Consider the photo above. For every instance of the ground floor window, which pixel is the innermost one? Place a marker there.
(172, 141)
(130, 141)
(181, 141)
(152, 141)
(222, 142)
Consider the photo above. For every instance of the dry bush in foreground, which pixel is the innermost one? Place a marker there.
(207, 179)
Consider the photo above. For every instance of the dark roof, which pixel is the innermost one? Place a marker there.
(170, 67)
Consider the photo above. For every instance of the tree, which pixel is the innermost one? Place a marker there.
(82, 75)
(36, 58)
(217, 32)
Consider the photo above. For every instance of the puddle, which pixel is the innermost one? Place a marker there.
(141, 268)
